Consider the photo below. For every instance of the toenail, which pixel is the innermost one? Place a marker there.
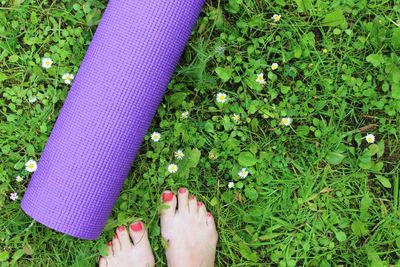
(209, 214)
(109, 243)
(182, 190)
(115, 235)
(136, 227)
(121, 228)
(199, 204)
(167, 196)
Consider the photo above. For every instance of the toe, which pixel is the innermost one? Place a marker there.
(193, 205)
(110, 249)
(123, 237)
(103, 262)
(116, 246)
(202, 210)
(168, 198)
(139, 235)
(183, 200)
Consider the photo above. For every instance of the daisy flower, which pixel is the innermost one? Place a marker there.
(236, 117)
(231, 185)
(33, 99)
(260, 79)
(370, 138)
(172, 168)
(221, 98)
(243, 173)
(68, 77)
(155, 136)
(47, 62)
(179, 154)
(185, 115)
(276, 17)
(19, 179)
(287, 121)
(14, 196)
(31, 165)
(274, 66)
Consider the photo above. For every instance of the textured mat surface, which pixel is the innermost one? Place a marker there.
(107, 112)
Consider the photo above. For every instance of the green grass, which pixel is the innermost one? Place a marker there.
(317, 193)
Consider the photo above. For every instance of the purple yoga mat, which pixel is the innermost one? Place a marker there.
(107, 112)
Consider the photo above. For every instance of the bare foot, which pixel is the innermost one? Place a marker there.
(190, 231)
(123, 253)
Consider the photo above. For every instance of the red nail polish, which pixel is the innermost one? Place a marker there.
(199, 204)
(109, 243)
(121, 228)
(115, 235)
(182, 190)
(167, 196)
(209, 214)
(136, 227)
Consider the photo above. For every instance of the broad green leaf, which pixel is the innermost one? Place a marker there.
(251, 193)
(3, 77)
(247, 159)
(304, 5)
(224, 73)
(334, 19)
(359, 228)
(396, 38)
(4, 256)
(341, 236)
(176, 99)
(384, 181)
(247, 253)
(334, 158)
(376, 59)
(396, 91)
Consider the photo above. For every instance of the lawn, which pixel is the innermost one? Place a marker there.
(317, 193)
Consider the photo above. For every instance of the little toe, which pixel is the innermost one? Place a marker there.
(103, 262)
(116, 246)
(123, 237)
(139, 235)
(183, 200)
(168, 198)
(192, 204)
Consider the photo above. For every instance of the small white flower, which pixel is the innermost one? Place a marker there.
(31, 165)
(155, 136)
(370, 138)
(47, 62)
(276, 17)
(236, 117)
(231, 185)
(172, 168)
(243, 173)
(274, 66)
(287, 121)
(19, 179)
(67, 77)
(185, 115)
(260, 79)
(33, 99)
(179, 154)
(221, 97)
(14, 196)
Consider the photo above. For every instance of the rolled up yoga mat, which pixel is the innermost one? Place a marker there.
(107, 113)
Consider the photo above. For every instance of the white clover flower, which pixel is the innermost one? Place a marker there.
(276, 17)
(231, 185)
(47, 62)
(155, 136)
(243, 173)
(14, 196)
(287, 121)
(236, 117)
(260, 79)
(33, 99)
(31, 165)
(19, 179)
(68, 77)
(274, 66)
(185, 115)
(172, 168)
(221, 98)
(370, 138)
(179, 154)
